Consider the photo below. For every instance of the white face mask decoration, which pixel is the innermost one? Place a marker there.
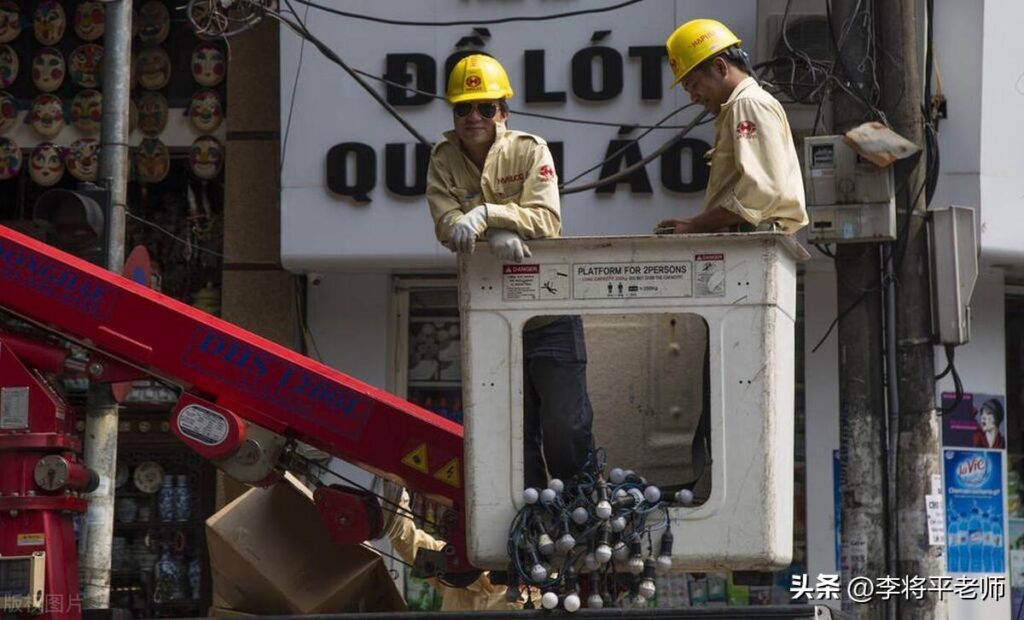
(208, 65)
(45, 165)
(8, 112)
(10, 21)
(8, 66)
(48, 69)
(87, 111)
(154, 22)
(49, 22)
(152, 161)
(206, 158)
(152, 113)
(47, 115)
(83, 159)
(85, 65)
(10, 159)
(153, 68)
(205, 111)
(89, 19)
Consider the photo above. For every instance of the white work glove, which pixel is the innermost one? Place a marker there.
(466, 229)
(508, 245)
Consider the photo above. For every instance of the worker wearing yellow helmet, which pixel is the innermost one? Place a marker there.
(755, 181)
(487, 181)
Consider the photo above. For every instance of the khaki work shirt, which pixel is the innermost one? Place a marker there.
(755, 172)
(406, 539)
(518, 185)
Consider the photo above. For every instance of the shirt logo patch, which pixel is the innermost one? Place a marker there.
(546, 172)
(746, 129)
(512, 178)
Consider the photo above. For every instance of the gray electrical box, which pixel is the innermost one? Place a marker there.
(849, 199)
(954, 261)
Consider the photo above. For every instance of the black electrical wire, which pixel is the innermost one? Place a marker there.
(485, 22)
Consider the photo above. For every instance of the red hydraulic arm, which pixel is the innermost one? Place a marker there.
(244, 397)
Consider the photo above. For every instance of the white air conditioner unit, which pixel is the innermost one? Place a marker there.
(806, 28)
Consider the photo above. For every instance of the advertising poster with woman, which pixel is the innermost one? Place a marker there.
(977, 421)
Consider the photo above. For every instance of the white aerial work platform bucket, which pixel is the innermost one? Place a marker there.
(743, 286)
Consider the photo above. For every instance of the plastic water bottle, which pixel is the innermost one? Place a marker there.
(997, 545)
(953, 547)
(975, 541)
(986, 542)
(963, 538)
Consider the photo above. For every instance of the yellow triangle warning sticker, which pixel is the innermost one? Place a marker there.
(417, 459)
(449, 474)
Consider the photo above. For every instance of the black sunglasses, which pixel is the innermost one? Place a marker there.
(486, 109)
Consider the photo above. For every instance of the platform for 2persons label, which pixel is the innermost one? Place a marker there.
(614, 280)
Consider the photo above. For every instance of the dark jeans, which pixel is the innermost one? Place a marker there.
(557, 416)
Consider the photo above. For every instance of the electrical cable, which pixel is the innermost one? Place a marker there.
(291, 103)
(485, 22)
(176, 237)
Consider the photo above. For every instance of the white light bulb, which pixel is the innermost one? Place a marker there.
(594, 601)
(590, 562)
(571, 603)
(619, 494)
(621, 551)
(545, 545)
(685, 497)
(603, 510)
(603, 553)
(646, 588)
(616, 475)
(531, 495)
(652, 494)
(639, 601)
(618, 524)
(636, 565)
(664, 563)
(556, 485)
(580, 515)
(566, 543)
(538, 573)
(547, 496)
(549, 600)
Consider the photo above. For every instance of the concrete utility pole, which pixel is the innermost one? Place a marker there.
(861, 390)
(101, 418)
(919, 423)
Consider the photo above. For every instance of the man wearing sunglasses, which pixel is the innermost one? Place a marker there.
(489, 182)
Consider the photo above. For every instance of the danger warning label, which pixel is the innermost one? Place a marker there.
(610, 280)
(535, 282)
(710, 275)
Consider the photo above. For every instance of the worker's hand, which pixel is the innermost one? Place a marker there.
(466, 229)
(508, 245)
(678, 227)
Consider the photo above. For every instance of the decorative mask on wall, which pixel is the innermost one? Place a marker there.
(83, 159)
(46, 165)
(205, 111)
(86, 65)
(8, 66)
(89, 18)
(154, 68)
(152, 161)
(152, 113)
(10, 159)
(10, 21)
(47, 115)
(49, 22)
(8, 112)
(208, 65)
(154, 22)
(206, 159)
(48, 69)
(87, 110)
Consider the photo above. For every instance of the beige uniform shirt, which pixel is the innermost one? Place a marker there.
(754, 168)
(481, 594)
(518, 185)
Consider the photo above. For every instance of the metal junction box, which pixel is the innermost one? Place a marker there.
(848, 199)
(742, 287)
(954, 254)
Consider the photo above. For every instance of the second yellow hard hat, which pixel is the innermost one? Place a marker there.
(696, 41)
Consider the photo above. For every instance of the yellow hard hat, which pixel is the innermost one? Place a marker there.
(696, 41)
(478, 77)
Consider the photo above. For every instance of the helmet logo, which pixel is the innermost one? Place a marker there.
(473, 81)
(746, 129)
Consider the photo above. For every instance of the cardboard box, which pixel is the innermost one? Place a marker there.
(270, 553)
